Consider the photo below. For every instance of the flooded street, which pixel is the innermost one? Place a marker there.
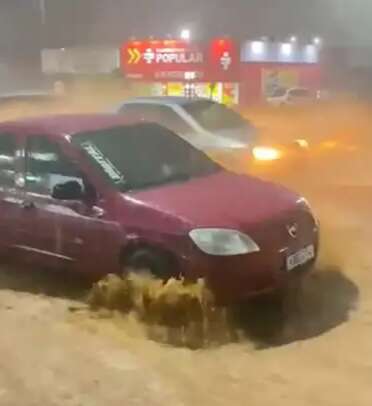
(54, 352)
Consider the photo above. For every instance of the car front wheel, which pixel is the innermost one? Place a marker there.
(147, 261)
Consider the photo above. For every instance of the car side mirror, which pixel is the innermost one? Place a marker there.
(71, 190)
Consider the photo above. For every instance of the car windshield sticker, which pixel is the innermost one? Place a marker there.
(108, 167)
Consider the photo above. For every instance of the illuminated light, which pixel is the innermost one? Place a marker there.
(190, 75)
(286, 49)
(186, 34)
(302, 143)
(317, 41)
(293, 39)
(311, 53)
(266, 154)
(310, 50)
(258, 47)
(329, 144)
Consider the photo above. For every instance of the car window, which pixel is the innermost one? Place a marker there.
(7, 159)
(46, 166)
(160, 114)
(214, 116)
(143, 156)
(299, 93)
(280, 92)
(132, 109)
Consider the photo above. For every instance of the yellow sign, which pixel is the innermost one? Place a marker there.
(175, 89)
(230, 95)
(134, 56)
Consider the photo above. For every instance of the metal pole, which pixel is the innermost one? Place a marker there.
(42, 11)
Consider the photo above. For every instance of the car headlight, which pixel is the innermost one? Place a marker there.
(223, 242)
(266, 154)
(305, 204)
(302, 143)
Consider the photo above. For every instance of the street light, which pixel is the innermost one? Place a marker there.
(258, 47)
(286, 49)
(186, 34)
(317, 41)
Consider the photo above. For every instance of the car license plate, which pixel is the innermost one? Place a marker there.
(300, 257)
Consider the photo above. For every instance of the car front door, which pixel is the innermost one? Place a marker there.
(10, 199)
(71, 233)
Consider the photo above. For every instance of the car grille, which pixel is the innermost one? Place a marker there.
(275, 233)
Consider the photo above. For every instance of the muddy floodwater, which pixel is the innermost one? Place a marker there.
(55, 351)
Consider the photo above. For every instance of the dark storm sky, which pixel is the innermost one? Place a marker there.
(71, 22)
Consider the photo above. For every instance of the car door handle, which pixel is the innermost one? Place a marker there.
(27, 204)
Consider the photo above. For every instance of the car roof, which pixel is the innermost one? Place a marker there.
(178, 100)
(67, 124)
(298, 88)
(25, 94)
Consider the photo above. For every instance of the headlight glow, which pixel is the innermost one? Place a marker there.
(302, 143)
(266, 154)
(223, 242)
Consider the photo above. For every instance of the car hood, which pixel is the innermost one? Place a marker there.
(219, 200)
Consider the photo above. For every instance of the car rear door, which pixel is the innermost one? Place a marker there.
(62, 233)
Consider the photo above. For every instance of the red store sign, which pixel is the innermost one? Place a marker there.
(223, 60)
(177, 59)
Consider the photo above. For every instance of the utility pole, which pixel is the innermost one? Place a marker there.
(43, 16)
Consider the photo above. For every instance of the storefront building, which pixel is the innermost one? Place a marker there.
(183, 68)
(221, 69)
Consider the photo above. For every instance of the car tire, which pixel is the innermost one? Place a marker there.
(147, 261)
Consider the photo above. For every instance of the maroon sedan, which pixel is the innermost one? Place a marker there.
(99, 194)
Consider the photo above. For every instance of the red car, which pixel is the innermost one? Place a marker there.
(99, 194)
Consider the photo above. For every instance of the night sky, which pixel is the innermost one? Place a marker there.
(73, 22)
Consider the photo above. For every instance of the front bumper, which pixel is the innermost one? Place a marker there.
(236, 278)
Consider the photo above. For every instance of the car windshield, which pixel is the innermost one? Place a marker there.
(214, 116)
(300, 93)
(280, 92)
(143, 156)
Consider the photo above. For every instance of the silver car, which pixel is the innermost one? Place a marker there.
(205, 124)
